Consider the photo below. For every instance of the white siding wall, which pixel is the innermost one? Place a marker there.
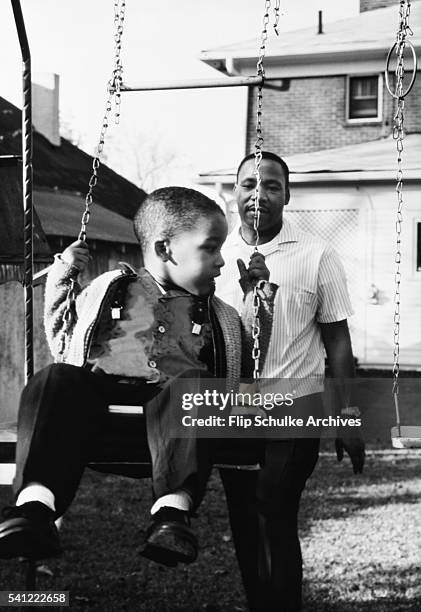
(367, 248)
(380, 318)
(359, 221)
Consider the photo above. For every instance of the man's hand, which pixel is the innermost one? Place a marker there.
(76, 254)
(356, 450)
(256, 271)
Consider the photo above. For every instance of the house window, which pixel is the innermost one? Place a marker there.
(364, 98)
(418, 247)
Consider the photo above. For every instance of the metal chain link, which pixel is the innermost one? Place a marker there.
(398, 134)
(258, 145)
(276, 15)
(113, 97)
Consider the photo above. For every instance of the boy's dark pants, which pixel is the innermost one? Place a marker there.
(63, 422)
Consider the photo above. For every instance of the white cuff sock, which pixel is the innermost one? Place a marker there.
(179, 499)
(35, 491)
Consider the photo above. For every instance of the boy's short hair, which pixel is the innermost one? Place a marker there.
(273, 157)
(170, 210)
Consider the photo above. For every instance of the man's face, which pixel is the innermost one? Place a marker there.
(196, 255)
(272, 194)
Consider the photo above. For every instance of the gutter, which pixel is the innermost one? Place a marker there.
(380, 176)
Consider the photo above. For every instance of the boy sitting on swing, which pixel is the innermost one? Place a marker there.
(132, 339)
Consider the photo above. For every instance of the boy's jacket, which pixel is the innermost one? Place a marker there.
(136, 350)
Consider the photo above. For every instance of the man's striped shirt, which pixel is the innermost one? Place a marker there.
(312, 290)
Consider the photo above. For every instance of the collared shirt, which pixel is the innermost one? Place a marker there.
(312, 290)
(203, 323)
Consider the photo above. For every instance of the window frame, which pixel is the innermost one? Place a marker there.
(358, 120)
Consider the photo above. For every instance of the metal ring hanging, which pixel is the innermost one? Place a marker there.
(414, 71)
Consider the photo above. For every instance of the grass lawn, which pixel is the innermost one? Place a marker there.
(361, 539)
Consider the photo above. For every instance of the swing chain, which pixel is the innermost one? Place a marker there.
(115, 84)
(398, 134)
(276, 12)
(114, 95)
(255, 331)
(404, 29)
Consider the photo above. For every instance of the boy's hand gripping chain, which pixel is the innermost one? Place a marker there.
(114, 97)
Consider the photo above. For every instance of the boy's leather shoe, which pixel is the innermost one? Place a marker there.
(28, 531)
(169, 539)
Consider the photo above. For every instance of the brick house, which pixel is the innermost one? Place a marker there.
(330, 89)
(328, 112)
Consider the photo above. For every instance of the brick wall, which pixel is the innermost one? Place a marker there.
(371, 5)
(310, 116)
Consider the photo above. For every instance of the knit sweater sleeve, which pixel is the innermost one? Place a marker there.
(57, 326)
(266, 292)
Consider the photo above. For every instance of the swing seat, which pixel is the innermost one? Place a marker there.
(7, 452)
(406, 436)
(123, 448)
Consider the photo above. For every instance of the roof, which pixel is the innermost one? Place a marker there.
(375, 155)
(66, 167)
(375, 159)
(60, 215)
(373, 30)
(11, 218)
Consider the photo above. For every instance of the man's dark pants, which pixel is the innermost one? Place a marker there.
(63, 422)
(263, 508)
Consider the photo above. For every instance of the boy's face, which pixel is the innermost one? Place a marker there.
(195, 255)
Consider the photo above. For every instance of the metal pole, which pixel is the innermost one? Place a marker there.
(320, 28)
(26, 188)
(247, 81)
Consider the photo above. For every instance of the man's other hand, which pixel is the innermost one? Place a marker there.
(76, 254)
(355, 448)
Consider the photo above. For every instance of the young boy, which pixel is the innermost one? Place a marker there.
(131, 339)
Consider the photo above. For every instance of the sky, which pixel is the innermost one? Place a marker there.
(188, 131)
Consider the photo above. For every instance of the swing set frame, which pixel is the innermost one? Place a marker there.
(401, 435)
(400, 438)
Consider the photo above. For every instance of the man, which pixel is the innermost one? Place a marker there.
(310, 312)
